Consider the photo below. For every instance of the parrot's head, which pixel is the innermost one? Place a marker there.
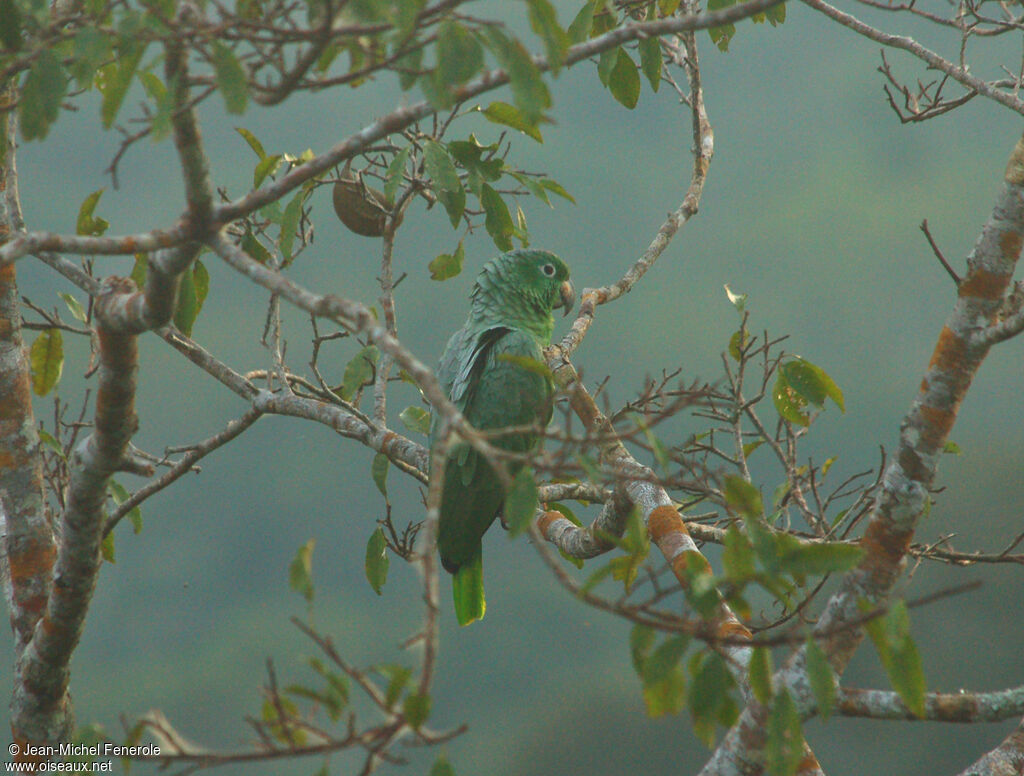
(532, 281)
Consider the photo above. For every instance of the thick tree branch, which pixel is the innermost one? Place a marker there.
(923, 433)
(939, 707)
(40, 708)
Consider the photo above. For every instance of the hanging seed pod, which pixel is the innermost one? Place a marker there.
(361, 208)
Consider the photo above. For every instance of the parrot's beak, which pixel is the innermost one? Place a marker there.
(568, 296)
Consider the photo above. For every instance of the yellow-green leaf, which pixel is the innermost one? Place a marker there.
(377, 561)
(300, 572)
(46, 360)
(230, 77)
(415, 419)
(624, 80)
(447, 265)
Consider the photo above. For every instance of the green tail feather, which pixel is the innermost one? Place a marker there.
(468, 590)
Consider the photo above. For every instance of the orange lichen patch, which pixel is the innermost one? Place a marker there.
(982, 284)
(7, 272)
(17, 401)
(883, 545)
(585, 408)
(808, 763)
(950, 351)
(544, 521)
(388, 439)
(733, 628)
(663, 521)
(31, 562)
(955, 708)
(1010, 244)
(938, 423)
(685, 563)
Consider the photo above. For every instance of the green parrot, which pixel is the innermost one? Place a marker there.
(510, 318)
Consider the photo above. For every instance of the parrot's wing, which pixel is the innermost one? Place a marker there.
(472, 363)
(500, 392)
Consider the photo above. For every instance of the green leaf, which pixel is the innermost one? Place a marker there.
(641, 641)
(10, 30)
(290, 224)
(416, 419)
(114, 79)
(393, 179)
(743, 497)
(187, 308)
(46, 360)
(359, 371)
(529, 91)
(86, 223)
(898, 654)
(442, 767)
(777, 14)
(459, 54)
(579, 29)
(48, 439)
(556, 188)
(509, 116)
(664, 659)
(738, 556)
(498, 221)
(253, 142)
(91, 49)
(41, 95)
(821, 678)
(667, 696)
(952, 448)
(120, 494)
(736, 344)
(379, 472)
(230, 77)
(377, 561)
(811, 382)
(77, 311)
(254, 247)
(818, 558)
(107, 548)
(760, 673)
(300, 572)
(441, 171)
(139, 270)
(520, 502)
(544, 22)
(788, 403)
(398, 677)
(445, 265)
(264, 167)
(708, 695)
(721, 36)
(784, 744)
(624, 80)
(416, 709)
(650, 60)
(750, 447)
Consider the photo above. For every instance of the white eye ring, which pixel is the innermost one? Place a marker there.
(549, 270)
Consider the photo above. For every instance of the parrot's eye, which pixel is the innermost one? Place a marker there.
(549, 270)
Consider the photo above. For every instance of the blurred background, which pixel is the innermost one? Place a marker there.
(811, 207)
